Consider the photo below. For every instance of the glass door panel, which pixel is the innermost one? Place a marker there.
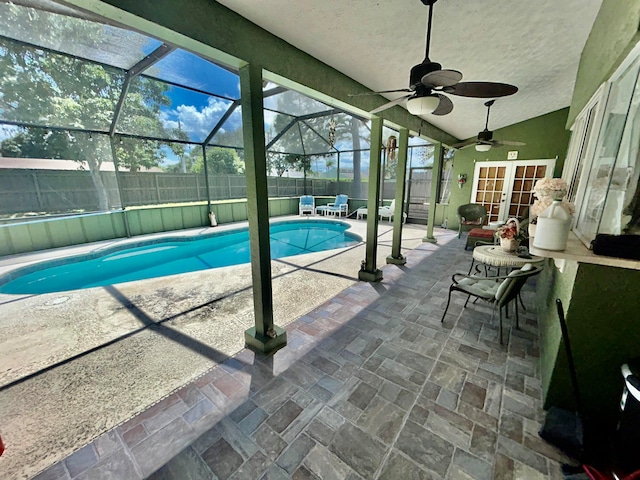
(523, 182)
(488, 188)
(504, 188)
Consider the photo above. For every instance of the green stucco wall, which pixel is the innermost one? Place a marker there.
(553, 284)
(604, 330)
(601, 303)
(545, 137)
(614, 33)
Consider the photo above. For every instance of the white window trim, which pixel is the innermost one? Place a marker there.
(578, 137)
(602, 97)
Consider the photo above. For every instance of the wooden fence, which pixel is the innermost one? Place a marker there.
(46, 192)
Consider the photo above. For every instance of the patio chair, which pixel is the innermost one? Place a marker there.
(307, 205)
(492, 290)
(388, 211)
(339, 206)
(470, 216)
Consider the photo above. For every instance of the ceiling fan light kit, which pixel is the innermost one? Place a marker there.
(484, 141)
(422, 105)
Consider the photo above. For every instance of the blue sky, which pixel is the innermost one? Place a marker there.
(194, 112)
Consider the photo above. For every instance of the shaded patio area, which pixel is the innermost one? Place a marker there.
(370, 386)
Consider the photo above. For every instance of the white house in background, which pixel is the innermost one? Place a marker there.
(56, 164)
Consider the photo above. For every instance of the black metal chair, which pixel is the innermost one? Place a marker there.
(498, 291)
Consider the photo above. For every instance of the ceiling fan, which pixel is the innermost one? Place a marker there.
(484, 140)
(428, 79)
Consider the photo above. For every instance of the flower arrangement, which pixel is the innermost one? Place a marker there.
(546, 190)
(551, 187)
(510, 231)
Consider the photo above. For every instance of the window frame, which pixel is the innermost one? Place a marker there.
(601, 99)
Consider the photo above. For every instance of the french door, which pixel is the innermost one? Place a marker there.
(505, 188)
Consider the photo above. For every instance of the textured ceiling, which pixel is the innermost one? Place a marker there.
(534, 45)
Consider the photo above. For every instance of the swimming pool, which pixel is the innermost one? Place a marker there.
(173, 255)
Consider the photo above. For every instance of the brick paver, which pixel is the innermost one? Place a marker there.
(371, 386)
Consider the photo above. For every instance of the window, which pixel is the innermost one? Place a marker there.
(585, 126)
(608, 195)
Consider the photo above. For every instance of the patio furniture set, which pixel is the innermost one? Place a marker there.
(340, 207)
(498, 290)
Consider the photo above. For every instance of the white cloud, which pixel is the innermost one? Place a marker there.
(198, 123)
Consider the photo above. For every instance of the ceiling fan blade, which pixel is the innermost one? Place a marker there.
(508, 142)
(481, 89)
(441, 78)
(378, 93)
(445, 106)
(390, 104)
(466, 143)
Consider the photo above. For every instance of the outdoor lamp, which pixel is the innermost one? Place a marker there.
(483, 147)
(422, 105)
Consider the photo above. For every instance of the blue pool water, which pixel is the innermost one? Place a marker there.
(171, 256)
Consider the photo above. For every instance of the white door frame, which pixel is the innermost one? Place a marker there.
(507, 188)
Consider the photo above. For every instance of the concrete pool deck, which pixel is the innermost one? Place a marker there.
(94, 358)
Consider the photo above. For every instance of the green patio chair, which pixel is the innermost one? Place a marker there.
(470, 216)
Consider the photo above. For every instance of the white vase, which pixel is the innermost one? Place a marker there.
(532, 230)
(553, 228)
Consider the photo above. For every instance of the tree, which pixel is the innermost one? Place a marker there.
(282, 162)
(311, 136)
(179, 149)
(301, 163)
(220, 161)
(49, 89)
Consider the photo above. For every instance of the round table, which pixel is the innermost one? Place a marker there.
(497, 257)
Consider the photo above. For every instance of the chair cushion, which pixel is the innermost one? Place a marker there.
(525, 268)
(481, 233)
(480, 286)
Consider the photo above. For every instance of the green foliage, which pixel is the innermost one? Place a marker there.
(282, 162)
(278, 163)
(220, 161)
(39, 143)
(48, 89)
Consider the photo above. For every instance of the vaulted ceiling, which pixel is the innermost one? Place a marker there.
(535, 45)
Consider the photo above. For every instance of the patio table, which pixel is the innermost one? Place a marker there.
(495, 256)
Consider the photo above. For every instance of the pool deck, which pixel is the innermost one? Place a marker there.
(89, 360)
(371, 386)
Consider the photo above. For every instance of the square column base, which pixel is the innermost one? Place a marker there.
(396, 261)
(430, 240)
(265, 344)
(367, 276)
